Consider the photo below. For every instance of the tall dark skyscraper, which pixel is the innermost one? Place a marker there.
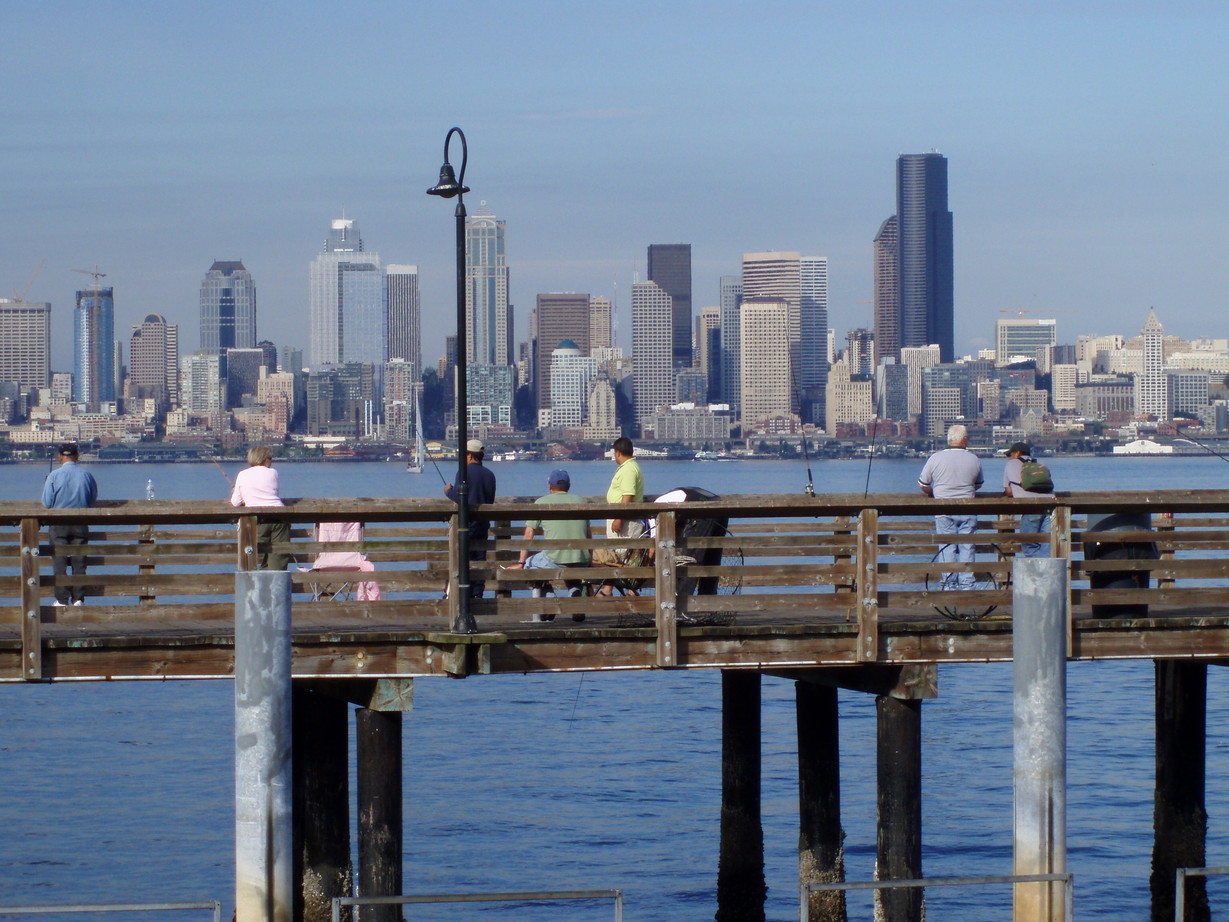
(670, 268)
(228, 308)
(924, 248)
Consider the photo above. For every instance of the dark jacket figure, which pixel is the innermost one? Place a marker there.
(480, 483)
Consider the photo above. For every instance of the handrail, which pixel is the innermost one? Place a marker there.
(534, 896)
(1180, 877)
(214, 905)
(1066, 879)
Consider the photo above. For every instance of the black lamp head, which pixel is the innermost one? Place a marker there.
(447, 187)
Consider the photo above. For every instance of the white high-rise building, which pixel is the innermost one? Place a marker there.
(570, 373)
(25, 342)
(731, 295)
(202, 384)
(1021, 337)
(404, 315)
(652, 349)
(489, 337)
(349, 315)
(601, 332)
(1151, 398)
(763, 330)
(916, 358)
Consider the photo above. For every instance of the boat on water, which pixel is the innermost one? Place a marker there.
(518, 455)
(418, 453)
(713, 456)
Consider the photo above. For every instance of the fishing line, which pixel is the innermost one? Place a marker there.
(437, 469)
(577, 701)
(871, 457)
(223, 470)
(810, 491)
(1204, 447)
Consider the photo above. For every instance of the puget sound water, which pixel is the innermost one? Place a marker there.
(123, 791)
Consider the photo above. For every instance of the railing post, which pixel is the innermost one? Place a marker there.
(842, 526)
(453, 594)
(145, 552)
(868, 585)
(667, 590)
(31, 617)
(1060, 547)
(1164, 522)
(264, 865)
(248, 557)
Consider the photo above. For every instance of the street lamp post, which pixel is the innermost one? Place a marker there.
(450, 186)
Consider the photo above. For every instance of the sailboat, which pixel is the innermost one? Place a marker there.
(418, 454)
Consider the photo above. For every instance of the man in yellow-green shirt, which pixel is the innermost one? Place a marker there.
(627, 486)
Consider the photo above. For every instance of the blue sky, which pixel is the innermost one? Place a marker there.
(1086, 145)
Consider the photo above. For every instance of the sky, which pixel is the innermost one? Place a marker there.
(1086, 143)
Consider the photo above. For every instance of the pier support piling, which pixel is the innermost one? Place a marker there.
(899, 838)
(1180, 819)
(1039, 637)
(378, 743)
(263, 835)
(821, 855)
(741, 888)
(322, 864)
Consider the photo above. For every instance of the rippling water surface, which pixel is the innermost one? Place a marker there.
(123, 791)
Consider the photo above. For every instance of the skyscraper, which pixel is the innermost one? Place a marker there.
(924, 253)
(25, 342)
(652, 350)
(94, 347)
(670, 268)
(228, 308)
(1020, 336)
(708, 348)
(349, 320)
(560, 316)
(404, 316)
(731, 294)
(153, 361)
(1151, 397)
(887, 292)
(766, 392)
(601, 333)
(489, 337)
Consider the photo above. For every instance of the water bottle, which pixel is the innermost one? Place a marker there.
(149, 489)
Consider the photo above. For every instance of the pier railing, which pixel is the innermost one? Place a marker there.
(847, 565)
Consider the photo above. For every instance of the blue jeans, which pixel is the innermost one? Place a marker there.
(1031, 524)
(956, 553)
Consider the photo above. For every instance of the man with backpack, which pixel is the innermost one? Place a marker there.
(1026, 476)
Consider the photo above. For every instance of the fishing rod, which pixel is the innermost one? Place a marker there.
(223, 470)
(810, 490)
(870, 457)
(437, 468)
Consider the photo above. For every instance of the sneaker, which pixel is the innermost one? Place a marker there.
(56, 603)
(536, 592)
(79, 602)
(576, 593)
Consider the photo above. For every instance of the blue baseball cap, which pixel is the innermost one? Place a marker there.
(559, 477)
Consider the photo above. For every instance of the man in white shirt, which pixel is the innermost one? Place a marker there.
(954, 473)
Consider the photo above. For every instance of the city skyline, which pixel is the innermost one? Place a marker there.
(163, 151)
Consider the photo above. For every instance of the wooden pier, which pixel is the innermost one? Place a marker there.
(832, 591)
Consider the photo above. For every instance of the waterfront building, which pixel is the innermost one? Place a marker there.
(491, 392)
(765, 389)
(670, 268)
(404, 314)
(401, 384)
(153, 361)
(1105, 397)
(850, 397)
(652, 350)
(489, 339)
(202, 379)
(228, 308)
(1186, 392)
(94, 367)
(25, 342)
(558, 316)
(1023, 337)
(1150, 396)
(925, 275)
(1063, 381)
(692, 425)
(349, 317)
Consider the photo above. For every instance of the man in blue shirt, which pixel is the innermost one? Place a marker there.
(69, 487)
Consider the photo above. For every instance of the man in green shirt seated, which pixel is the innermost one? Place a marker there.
(577, 529)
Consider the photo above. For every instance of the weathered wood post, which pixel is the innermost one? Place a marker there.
(899, 838)
(378, 740)
(263, 835)
(821, 854)
(1180, 820)
(741, 888)
(322, 863)
(1039, 635)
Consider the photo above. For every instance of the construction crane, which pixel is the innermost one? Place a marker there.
(1021, 311)
(20, 298)
(95, 273)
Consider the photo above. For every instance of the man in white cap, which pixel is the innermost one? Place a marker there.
(954, 473)
(480, 484)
